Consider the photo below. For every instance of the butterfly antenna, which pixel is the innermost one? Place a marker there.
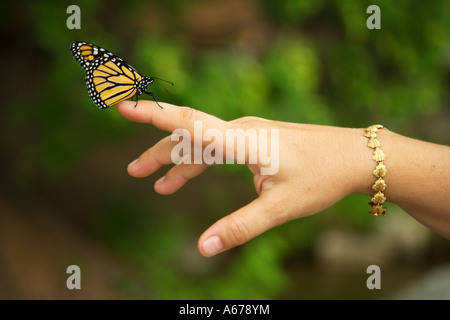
(151, 93)
(156, 78)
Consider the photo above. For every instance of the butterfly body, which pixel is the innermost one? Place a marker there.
(109, 79)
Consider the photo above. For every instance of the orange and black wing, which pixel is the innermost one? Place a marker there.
(109, 79)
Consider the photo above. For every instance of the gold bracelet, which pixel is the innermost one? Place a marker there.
(377, 209)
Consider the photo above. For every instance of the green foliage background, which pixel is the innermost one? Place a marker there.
(299, 61)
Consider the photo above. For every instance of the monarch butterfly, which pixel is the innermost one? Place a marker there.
(109, 79)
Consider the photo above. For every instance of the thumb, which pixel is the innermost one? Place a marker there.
(243, 225)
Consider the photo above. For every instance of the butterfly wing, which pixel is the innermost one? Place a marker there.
(109, 79)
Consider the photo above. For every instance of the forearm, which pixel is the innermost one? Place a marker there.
(418, 178)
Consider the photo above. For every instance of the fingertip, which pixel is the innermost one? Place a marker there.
(166, 186)
(210, 246)
(125, 106)
(239, 227)
(133, 168)
(141, 168)
(132, 173)
(132, 163)
(159, 185)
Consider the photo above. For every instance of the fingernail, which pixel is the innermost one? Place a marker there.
(159, 180)
(212, 245)
(132, 163)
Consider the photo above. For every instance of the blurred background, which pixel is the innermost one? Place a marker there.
(65, 195)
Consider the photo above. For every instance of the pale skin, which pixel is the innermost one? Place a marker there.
(318, 166)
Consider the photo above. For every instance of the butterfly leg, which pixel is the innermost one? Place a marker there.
(153, 96)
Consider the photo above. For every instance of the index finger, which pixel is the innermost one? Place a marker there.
(170, 117)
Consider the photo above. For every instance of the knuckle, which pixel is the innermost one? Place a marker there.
(238, 231)
(188, 113)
